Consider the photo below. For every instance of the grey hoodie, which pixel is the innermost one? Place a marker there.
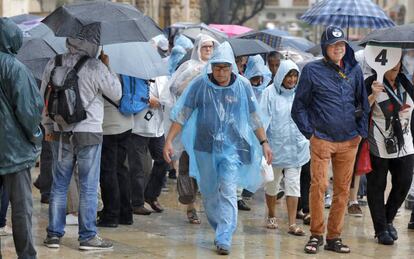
(94, 79)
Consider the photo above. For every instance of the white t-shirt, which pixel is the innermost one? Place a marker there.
(382, 116)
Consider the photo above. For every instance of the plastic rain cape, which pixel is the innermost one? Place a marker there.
(177, 53)
(179, 82)
(218, 126)
(256, 67)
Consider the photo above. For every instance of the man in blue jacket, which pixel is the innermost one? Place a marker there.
(20, 114)
(331, 109)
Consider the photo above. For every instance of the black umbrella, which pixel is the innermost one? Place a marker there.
(241, 47)
(400, 36)
(102, 22)
(249, 47)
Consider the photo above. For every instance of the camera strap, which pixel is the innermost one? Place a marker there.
(343, 76)
(375, 124)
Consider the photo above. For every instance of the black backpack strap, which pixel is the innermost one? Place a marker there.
(58, 60)
(80, 63)
(110, 101)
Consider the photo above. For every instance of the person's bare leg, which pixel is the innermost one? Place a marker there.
(291, 204)
(353, 192)
(271, 205)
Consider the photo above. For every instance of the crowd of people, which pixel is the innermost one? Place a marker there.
(217, 120)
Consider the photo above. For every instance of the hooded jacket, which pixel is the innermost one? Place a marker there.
(325, 103)
(290, 147)
(256, 67)
(94, 79)
(20, 105)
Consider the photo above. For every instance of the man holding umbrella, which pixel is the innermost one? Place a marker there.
(331, 109)
(81, 142)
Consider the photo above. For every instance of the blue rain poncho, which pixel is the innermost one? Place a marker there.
(218, 126)
(290, 147)
(256, 67)
(184, 42)
(177, 53)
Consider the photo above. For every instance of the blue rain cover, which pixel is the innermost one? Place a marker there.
(183, 41)
(177, 53)
(135, 95)
(256, 67)
(219, 123)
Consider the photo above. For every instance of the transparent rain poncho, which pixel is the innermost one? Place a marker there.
(219, 124)
(179, 82)
(177, 53)
(256, 67)
(183, 41)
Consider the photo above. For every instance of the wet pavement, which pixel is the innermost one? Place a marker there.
(169, 235)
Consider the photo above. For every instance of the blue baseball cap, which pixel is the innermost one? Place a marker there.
(331, 35)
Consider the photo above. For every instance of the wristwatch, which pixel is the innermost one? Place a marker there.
(264, 141)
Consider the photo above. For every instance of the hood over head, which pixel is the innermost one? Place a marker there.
(183, 41)
(177, 53)
(285, 66)
(200, 41)
(223, 54)
(83, 47)
(333, 34)
(256, 67)
(11, 37)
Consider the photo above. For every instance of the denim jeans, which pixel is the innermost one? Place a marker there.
(218, 187)
(89, 162)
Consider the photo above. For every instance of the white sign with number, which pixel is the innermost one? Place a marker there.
(382, 59)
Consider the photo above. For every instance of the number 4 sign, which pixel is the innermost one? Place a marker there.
(382, 59)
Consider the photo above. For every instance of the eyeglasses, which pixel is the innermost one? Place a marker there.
(221, 68)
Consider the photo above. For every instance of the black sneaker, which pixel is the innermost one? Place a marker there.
(392, 231)
(172, 174)
(241, 205)
(384, 238)
(52, 242)
(96, 243)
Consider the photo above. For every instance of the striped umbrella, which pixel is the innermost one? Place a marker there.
(347, 13)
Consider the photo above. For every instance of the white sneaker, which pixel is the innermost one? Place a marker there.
(6, 231)
(71, 220)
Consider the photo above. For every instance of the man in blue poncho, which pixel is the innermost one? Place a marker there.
(218, 114)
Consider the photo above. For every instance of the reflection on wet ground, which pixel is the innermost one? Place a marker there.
(168, 235)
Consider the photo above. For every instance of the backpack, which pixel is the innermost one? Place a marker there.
(63, 103)
(135, 95)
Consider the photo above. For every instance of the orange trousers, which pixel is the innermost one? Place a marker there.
(342, 155)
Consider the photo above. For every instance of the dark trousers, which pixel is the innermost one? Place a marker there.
(45, 178)
(305, 180)
(3, 207)
(115, 178)
(401, 170)
(152, 190)
(19, 187)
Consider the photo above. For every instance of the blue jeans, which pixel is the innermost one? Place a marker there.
(218, 185)
(89, 162)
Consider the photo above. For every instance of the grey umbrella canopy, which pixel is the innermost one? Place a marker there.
(102, 22)
(249, 47)
(39, 45)
(137, 59)
(401, 36)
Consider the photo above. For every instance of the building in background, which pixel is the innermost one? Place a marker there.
(13, 7)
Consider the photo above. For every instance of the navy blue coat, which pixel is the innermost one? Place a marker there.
(325, 103)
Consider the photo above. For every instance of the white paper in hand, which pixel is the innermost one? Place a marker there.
(382, 59)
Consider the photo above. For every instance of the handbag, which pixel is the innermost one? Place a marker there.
(363, 159)
(186, 188)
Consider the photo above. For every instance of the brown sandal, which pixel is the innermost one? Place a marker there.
(296, 230)
(306, 219)
(193, 217)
